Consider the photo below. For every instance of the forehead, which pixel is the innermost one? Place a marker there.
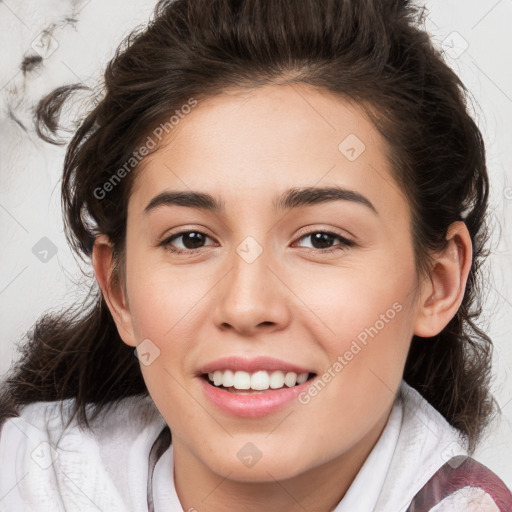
(255, 141)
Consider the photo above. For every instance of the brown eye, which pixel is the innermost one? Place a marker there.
(323, 241)
(190, 241)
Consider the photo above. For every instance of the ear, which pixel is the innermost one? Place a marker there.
(443, 290)
(113, 293)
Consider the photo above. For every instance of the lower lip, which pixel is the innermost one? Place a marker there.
(251, 405)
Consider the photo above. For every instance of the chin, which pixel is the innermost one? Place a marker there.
(265, 469)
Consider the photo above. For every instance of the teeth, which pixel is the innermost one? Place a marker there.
(242, 380)
(277, 380)
(228, 379)
(260, 381)
(257, 381)
(290, 379)
(217, 378)
(301, 378)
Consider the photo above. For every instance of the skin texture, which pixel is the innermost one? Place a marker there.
(294, 302)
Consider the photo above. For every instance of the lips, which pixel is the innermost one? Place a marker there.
(252, 387)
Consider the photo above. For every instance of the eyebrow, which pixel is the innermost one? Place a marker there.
(292, 198)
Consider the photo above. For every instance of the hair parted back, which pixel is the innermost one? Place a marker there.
(372, 52)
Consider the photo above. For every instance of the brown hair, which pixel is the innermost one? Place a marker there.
(372, 52)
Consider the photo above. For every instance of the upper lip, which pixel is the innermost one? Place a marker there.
(250, 365)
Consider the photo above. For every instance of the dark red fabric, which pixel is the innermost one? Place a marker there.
(457, 473)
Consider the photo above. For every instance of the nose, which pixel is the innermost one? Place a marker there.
(251, 299)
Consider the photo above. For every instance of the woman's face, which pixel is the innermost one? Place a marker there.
(276, 281)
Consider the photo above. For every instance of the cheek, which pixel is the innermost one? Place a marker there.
(359, 301)
(160, 296)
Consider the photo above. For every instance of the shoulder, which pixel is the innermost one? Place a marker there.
(50, 421)
(426, 443)
(431, 470)
(49, 465)
(463, 484)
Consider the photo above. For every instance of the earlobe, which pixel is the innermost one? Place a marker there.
(444, 288)
(113, 293)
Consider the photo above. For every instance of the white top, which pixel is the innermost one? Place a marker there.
(43, 468)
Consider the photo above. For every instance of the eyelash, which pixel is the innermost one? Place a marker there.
(345, 242)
